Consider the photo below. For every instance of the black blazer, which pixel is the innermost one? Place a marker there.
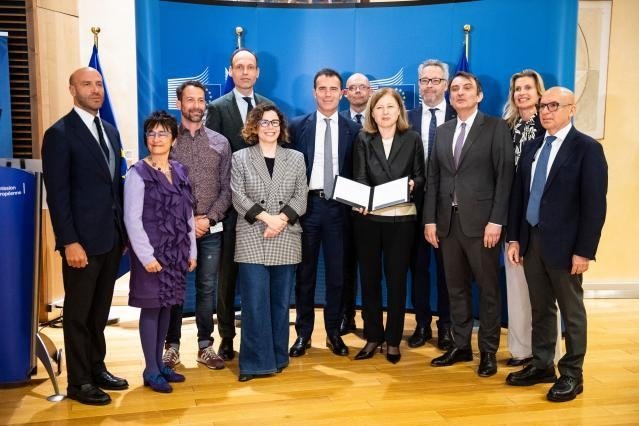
(84, 200)
(406, 158)
(302, 134)
(573, 205)
(482, 181)
(223, 116)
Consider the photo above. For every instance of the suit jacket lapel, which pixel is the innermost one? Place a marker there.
(564, 153)
(117, 150)
(234, 110)
(89, 142)
(342, 141)
(473, 134)
(526, 165)
(378, 149)
(308, 135)
(279, 171)
(447, 132)
(257, 159)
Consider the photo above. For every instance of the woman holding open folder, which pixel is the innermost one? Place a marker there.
(386, 150)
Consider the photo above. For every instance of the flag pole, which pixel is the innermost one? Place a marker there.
(239, 31)
(95, 31)
(466, 35)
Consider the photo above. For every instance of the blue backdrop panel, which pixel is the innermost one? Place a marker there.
(17, 204)
(6, 145)
(386, 42)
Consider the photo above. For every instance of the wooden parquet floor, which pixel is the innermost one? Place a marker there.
(321, 388)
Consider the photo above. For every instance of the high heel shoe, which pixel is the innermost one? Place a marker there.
(158, 383)
(171, 376)
(369, 350)
(394, 358)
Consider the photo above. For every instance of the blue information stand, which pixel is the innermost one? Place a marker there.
(17, 227)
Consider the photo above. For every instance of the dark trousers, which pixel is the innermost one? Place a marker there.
(390, 243)
(420, 283)
(87, 298)
(545, 285)
(323, 224)
(465, 257)
(227, 278)
(349, 289)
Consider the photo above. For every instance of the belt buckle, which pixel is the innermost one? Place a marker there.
(321, 194)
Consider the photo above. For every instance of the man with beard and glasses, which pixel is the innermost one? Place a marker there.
(207, 157)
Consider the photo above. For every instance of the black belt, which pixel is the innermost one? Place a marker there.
(317, 192)
(455, 208)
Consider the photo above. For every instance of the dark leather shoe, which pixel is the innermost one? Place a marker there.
(531, 375)
(335, 343)
(420, 337)
(347, 325)
(369, 350)
(225, 350)
(445, 337)
(106, 380)
(393, 357)
(245, 377)
(299, 347)
(518, 362)
(487, 364)
(88, 393)
(451, 357)
(566, 389)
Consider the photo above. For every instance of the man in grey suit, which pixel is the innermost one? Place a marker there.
(227, 115)
(470, 172)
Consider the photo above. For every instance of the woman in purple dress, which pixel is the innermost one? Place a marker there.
(158, 214)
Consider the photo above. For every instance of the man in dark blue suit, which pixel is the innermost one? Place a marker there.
(557, 211)
(81, 164)
(326, 140)
(431, 113)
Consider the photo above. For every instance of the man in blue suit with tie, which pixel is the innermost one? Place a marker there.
(431, 113)
(557, 212)
(326, 140)
(81, 169)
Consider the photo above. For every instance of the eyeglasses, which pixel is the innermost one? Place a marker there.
(265, 123)
(361, 87)
(552, 106)
(434, 81)
(161, 135)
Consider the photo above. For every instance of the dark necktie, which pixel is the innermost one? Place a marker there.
(101, 140)
(358, 118)
(459, 144)
(432, 128)
(250, 104)
(539, 182)
(328, 160)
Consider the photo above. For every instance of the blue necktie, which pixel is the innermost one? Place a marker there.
(358, 118)
(432, 128)
(539, 182)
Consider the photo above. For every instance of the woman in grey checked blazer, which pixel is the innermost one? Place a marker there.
(269, 189)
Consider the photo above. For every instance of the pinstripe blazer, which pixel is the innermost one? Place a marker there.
(251, 184)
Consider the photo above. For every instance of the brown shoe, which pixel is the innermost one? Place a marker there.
(171, 357)
(208, 357)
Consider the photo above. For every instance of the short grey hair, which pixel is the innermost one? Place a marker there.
(433, 63)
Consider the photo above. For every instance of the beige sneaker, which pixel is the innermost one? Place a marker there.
(208, 357)
(171, 357)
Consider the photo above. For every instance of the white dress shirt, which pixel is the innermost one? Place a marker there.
(469, 123)
(560, 135)
(242, 104)
(440, 117)
(317, 173)
(87, 118)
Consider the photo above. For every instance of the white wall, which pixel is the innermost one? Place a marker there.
(116, 19)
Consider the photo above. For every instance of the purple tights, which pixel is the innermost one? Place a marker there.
(154, 323)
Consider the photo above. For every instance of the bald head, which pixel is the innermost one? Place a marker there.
(85, 85)
(562, 101)
(358, 91)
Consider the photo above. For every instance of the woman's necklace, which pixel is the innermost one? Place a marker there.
(159, 168)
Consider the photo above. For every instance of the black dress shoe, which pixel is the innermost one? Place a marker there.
(347, 325)
(531, 375)
(106, 380)
(445, 337)
(420, 337)
(487, 364)
(225, 351)
(335, 343)
(518, 362)
(369, 350)
(88, 393)
(299, 347)
(246, 377)
(395, 356)
(451, 357)
(566, 389)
